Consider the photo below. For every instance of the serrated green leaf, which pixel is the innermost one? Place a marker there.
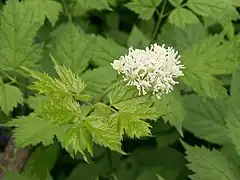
(233, 122)
(96, 85)
(145, 8)
(10, 97)
(45, 8)
(210, 58)
(181, 39)
(77, 139)
(219, 10)
(72, 47)
(121, 93)
(17, 34)
(137, 38)
(235, 85)
(42, 161)
(209, 118)
(94, 4)
(105, 50)
(176, 3)
(69, 84)
(171, 105)
(208, 165)
(181, 17)
(26, 132)
(103, 134)
(131, 125)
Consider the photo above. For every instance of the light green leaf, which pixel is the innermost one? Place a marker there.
(103, 134)
(26, 132)
(181, 17)
(68, 84)
(10, 97)
(137, 39)
(17, 33)
(45, 8)
(219, 10)
(176, 3)
(77, 139)
(105, 51)
(131, 125)
(208, 165)
(208, 116)
(94, 4)
(72, 47)
(42, 161)
(145, 8)
(171, 105)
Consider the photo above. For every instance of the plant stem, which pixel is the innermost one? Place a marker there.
(160, 17)
(13, 80)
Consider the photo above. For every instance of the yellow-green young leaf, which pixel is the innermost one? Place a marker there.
(105, 50)
(145, 8)
(94, 4)
(137, 39)
(235, 85)
(131, 125)
(181, 17)
(17, 32)
(10, 97)
(26, 132)
(209, 118)
(171, 105)
(208, 165)
(176, 3)
(219, 10)
(76, 139)
(72, 47)
(45, 8)
(103, 134)
(42, 161)
(69, 84)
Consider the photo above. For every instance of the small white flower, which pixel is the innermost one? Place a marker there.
(150, 70)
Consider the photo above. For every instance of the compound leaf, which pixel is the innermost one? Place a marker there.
(209, 165)
(181, 17)
(10, 97)
(145, 8)
(45, 8)
(17, 32)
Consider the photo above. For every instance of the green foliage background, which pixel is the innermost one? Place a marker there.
(191, 133)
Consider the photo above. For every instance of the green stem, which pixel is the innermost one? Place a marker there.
(13, 80)
(160, 17)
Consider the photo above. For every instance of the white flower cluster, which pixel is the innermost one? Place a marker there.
(150, 70)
